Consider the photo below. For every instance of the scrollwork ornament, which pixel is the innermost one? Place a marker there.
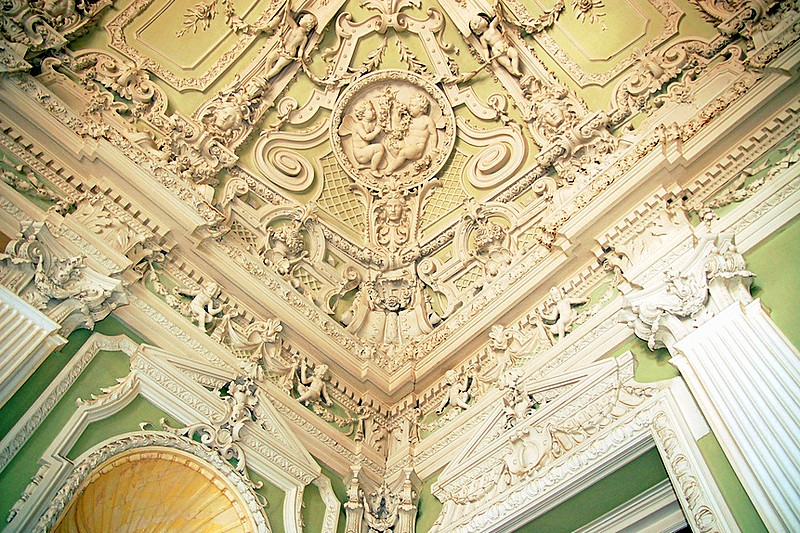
(223, 434)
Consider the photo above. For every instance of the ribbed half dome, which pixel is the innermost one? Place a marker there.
(155, 490)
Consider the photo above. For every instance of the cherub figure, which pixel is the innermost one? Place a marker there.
(562, 313)
(292, 45)
(202, 306)
(242, 399)
(312, 388)
(421, 133)
(368, 154)
(457, 393)
(494, 44)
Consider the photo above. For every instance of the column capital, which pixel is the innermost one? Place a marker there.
(691, 292)
(63, 286)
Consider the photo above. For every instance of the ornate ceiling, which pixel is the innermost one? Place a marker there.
(376, 206)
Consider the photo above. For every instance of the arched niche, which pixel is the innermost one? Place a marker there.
(156, 488)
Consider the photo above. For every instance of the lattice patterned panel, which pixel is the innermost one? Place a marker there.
(307, 279)
(445, 199)
(337, 197)
(469, 278)
(527, 238)
(247, 236)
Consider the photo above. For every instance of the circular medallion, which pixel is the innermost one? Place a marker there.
(392, 125)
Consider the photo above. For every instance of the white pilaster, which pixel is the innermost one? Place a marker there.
(745, 376)
(27, 337)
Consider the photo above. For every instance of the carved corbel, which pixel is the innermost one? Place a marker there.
(384, 509)
(38, 269)
(713, 278)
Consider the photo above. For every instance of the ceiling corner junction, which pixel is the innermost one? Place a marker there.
(374, 219)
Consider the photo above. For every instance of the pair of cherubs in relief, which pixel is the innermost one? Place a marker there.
(420, 134)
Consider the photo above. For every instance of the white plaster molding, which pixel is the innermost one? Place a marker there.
(667, 418)
(27, 337)
(655, 510)
(676, 423)
(33, 417)
(272, 450)
(690, 292)
(769, 209)
(100, 454)
(330, 522)
(484, 490)
(745, 376)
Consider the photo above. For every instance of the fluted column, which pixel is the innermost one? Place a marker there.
(745, 376)
(741, 370)
(27, 337)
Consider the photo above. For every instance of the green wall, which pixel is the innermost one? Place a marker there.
(627, 482)
(314, 507)
(21, 401)
(429, 506)
(102, 372)
(776, 264)
(739, 503)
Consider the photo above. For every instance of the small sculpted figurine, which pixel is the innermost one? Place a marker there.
(562, 314)
(368, 154)
(421, 133)
(293, 43)
(242, 399)
(312, 388)
(495, 45)
(202, 306)
(457, 393)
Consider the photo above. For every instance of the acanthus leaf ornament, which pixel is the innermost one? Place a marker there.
(63, 286)
(714, 277)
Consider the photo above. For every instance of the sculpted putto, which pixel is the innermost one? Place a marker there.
(494, 44)
(392, 125)
(369, 154)
(292, 45)
(202, 307)
(312, 388)
(562, 312)
(420, 134)
(457, 392)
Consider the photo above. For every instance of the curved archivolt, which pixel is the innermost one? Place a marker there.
(155, 489)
